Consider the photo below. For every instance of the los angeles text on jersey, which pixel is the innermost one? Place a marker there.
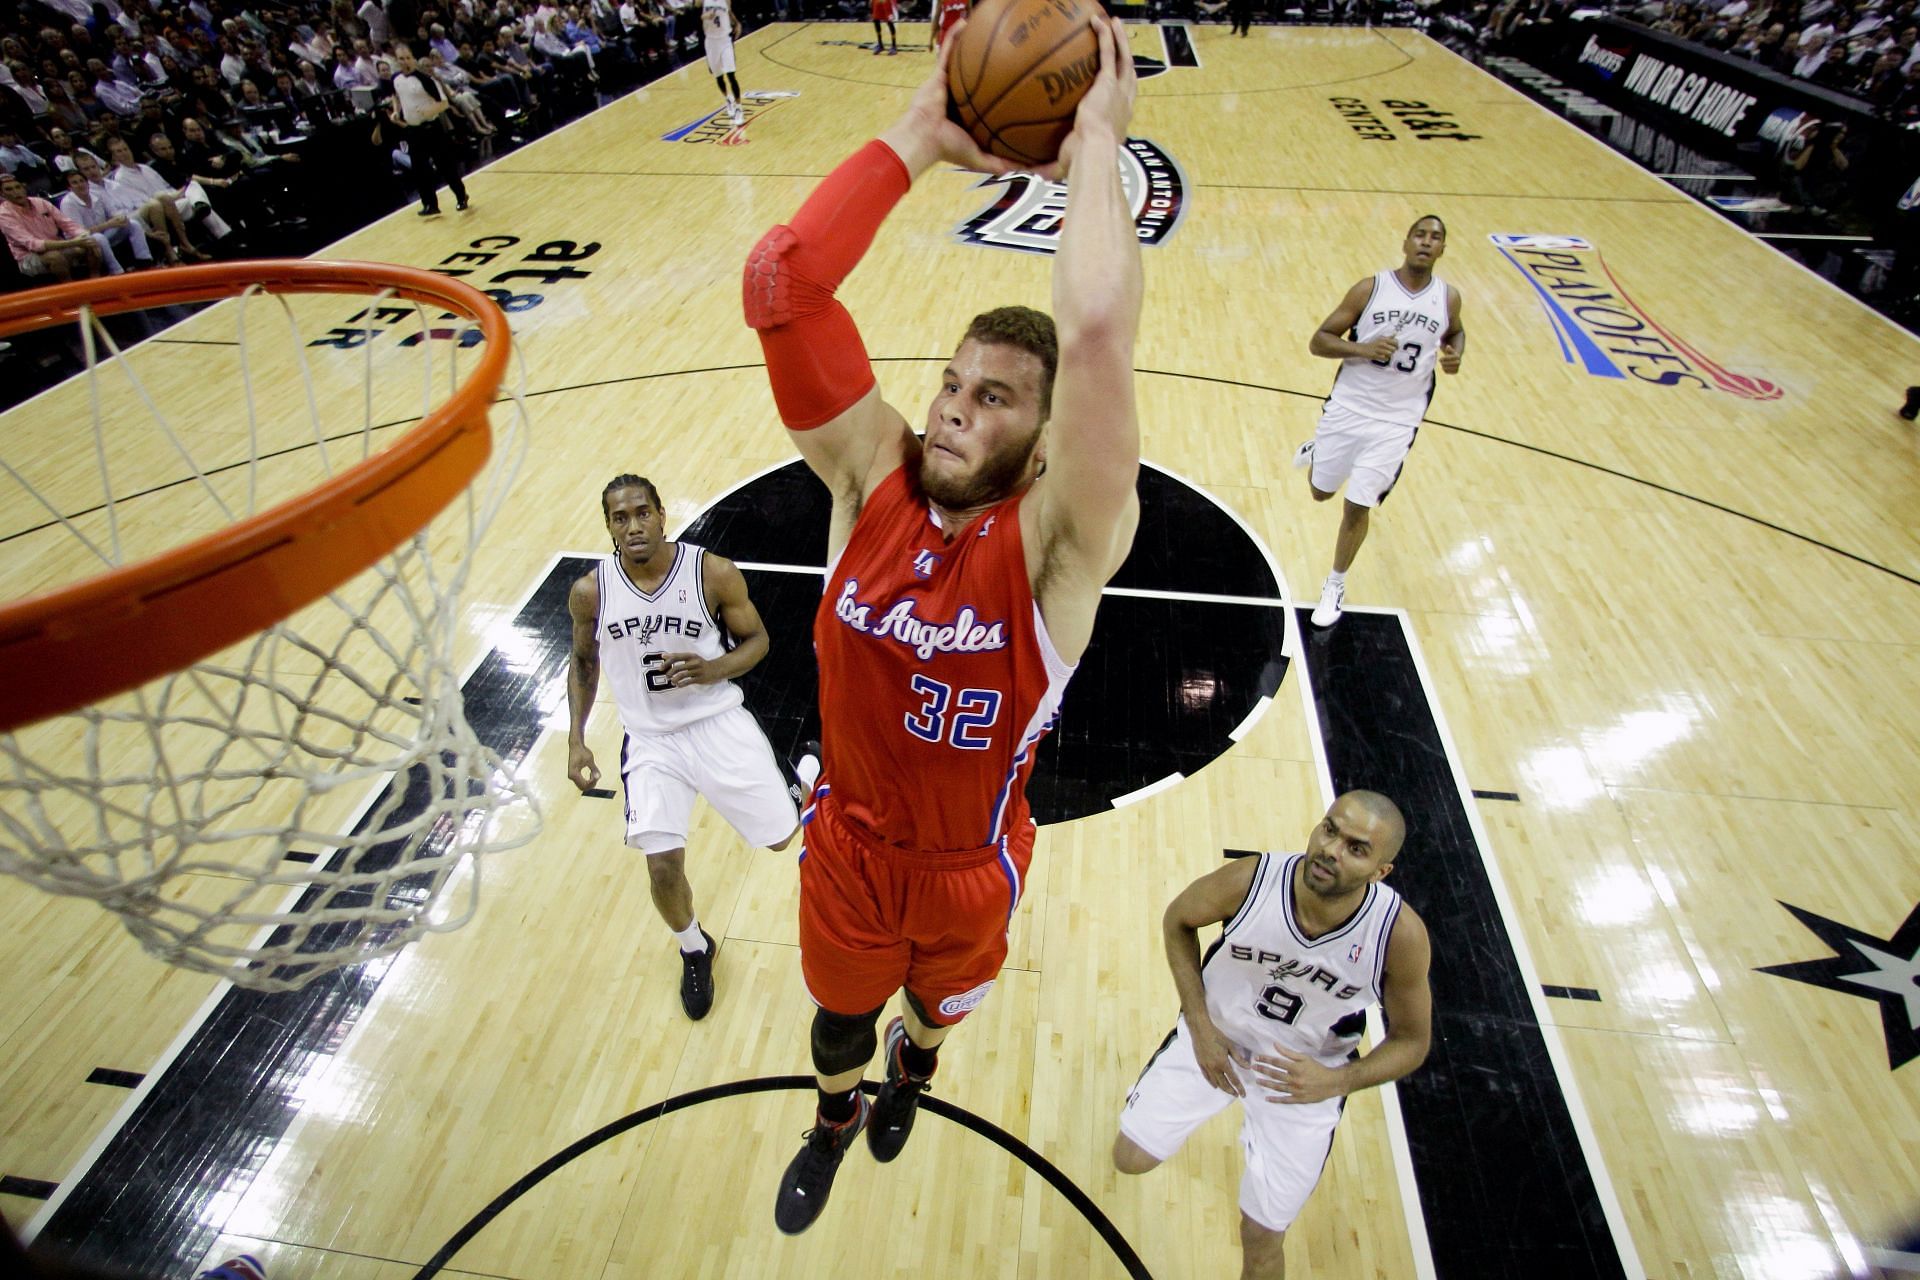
(965, 634)
(1288, 967)
(1612, 336)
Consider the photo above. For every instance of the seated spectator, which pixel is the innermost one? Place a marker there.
(233, 64)
(107, 227)
(18, 158)
(149, 215)
(117, 96)
(461, 99)
(207, 95)
(66, 151)
(437, 43)
(498, 82)
(308, 83)
(44, 241)
(183, 207)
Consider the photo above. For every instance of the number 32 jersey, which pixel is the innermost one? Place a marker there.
(1266, 981)
(937, 678)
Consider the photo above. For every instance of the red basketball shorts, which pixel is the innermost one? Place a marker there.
(875, 918)
(885, 11)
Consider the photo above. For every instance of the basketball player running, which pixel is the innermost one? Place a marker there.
(720, 29)
(676, 626)
(885, 11)
(1273, 1014)
(1388, 333)
(946, 16)
(964, 574)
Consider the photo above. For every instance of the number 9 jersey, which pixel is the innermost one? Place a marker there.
(1266, 981)
(937, 678)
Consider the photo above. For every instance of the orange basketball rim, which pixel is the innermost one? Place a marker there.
(80, 643)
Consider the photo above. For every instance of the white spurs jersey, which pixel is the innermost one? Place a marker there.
(718, 19)
(1267, 982)
(638, 628)
(1400, 390)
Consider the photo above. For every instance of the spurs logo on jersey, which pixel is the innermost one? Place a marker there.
(1267, 981)
(1399, 390)
(639, 628)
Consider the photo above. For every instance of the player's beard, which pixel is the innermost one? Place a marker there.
(997, 478)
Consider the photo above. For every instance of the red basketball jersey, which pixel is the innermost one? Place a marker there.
(937, 679)
(951, 11)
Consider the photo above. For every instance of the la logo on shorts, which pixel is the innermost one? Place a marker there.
(966, 1001)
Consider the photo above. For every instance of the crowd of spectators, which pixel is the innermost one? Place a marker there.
(140, 132)
(1868, 50)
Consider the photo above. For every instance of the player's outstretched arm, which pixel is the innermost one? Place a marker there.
(1330, 339)
(583, 678)
(1212, 899)
(823, 383)
(1088, 504)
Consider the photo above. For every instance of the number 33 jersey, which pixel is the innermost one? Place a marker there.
(937, 679)
(1267, 982)
(638, 629)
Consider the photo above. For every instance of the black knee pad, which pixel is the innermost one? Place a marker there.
(843, 1041)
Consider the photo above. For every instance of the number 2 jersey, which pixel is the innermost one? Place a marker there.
(637, 629)
(1400, 390)
(1266, 981)
(937, 678)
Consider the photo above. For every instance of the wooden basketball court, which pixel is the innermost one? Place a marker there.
(1671, 631)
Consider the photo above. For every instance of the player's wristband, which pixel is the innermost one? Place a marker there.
(815, 359)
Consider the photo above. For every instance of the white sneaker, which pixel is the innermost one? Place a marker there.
(1303, 455)
(1332, 596)
(733, 112)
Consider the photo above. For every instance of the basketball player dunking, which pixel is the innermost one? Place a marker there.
(964, 572)
(1388, 333)
(674, 625)
(1276, 1009)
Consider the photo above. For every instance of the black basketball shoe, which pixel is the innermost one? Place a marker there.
(696, 979)
(899, 1100)
(808, 1181)
(1911, 409)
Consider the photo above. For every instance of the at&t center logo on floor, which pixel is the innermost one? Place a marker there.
(1606, 331)
(1029, 211)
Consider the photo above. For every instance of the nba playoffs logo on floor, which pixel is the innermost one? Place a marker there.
(721, 130)
(1029, 212)
(1606, 331)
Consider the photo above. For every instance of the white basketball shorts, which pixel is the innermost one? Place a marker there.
(719, 54)
(1362, 453)
(1285, 1144)
(727, 759)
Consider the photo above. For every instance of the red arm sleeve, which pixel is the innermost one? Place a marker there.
(815, 360)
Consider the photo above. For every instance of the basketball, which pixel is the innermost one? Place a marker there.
(1019, 71)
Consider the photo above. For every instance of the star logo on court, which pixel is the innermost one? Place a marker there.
(1882, 969)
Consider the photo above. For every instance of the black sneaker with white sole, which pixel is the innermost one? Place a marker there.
(696, 979)
(808, 1181)
(899, 1100)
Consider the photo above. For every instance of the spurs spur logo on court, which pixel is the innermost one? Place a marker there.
(1606, 331)
(718, 129)
(1884, 970)
(965, 634)
(1028, 213)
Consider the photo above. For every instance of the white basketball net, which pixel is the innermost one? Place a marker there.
(237, 815)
